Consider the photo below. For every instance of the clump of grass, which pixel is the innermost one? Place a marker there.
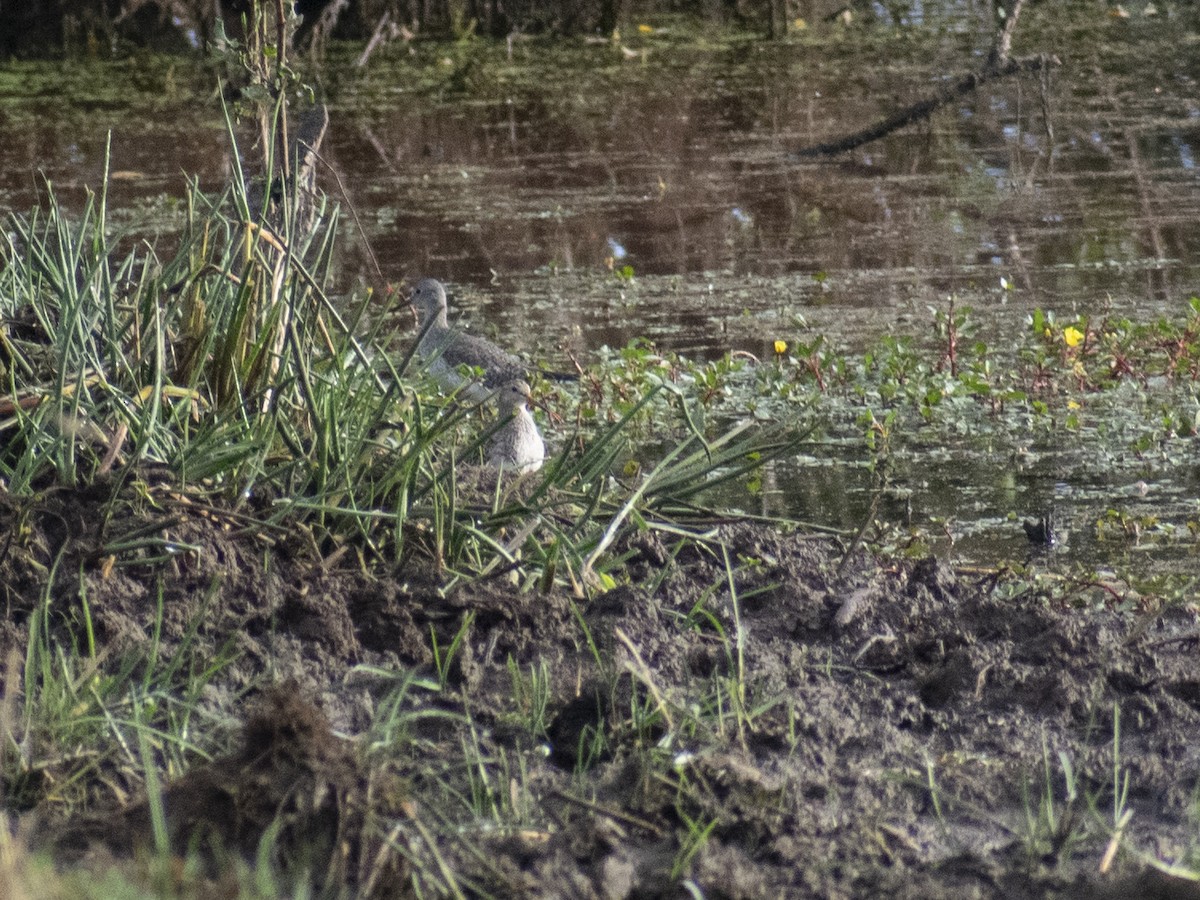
(229, 364)
(223, 372)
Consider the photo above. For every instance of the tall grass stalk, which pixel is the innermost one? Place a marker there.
(228, 361)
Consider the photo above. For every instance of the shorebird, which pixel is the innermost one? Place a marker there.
(517, 446)
(473, 366)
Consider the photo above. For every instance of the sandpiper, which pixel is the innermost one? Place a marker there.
(517, 445)
(473, 366)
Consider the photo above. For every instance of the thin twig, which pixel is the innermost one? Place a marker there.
(999, 64)
(376, 38)
(354, 212)
(608, 812)
(858, 536)
(639, 668)
(1173, 639)
(443, 868)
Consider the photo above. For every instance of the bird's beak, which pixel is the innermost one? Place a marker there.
(536, 404)
(416, 313)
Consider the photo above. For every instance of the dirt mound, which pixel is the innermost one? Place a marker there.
(743, 714)
(291, 783)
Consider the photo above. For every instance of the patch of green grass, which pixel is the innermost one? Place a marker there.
(83, 714)
(531, 692)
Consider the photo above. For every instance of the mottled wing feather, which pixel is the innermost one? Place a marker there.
(498, 367)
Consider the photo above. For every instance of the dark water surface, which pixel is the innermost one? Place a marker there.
(523, 182)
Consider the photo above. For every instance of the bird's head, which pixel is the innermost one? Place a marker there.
(512, 396)
(428, 297)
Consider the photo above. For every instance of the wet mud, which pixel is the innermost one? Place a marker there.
(902, 722)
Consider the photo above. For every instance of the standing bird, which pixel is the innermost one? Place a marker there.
(517, 445)
(474, 366)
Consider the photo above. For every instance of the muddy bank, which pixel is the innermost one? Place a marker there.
(900, 730)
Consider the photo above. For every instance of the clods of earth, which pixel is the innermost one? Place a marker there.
(880, 728)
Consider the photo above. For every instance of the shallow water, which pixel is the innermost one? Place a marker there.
(525, 182)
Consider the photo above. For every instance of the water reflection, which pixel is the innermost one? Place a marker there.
(523, 185)
(679, 166)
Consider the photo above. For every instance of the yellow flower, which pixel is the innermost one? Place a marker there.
(1074, 404)
(799, 25)
(781, 347)
(646, 29)
(1072, 335)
